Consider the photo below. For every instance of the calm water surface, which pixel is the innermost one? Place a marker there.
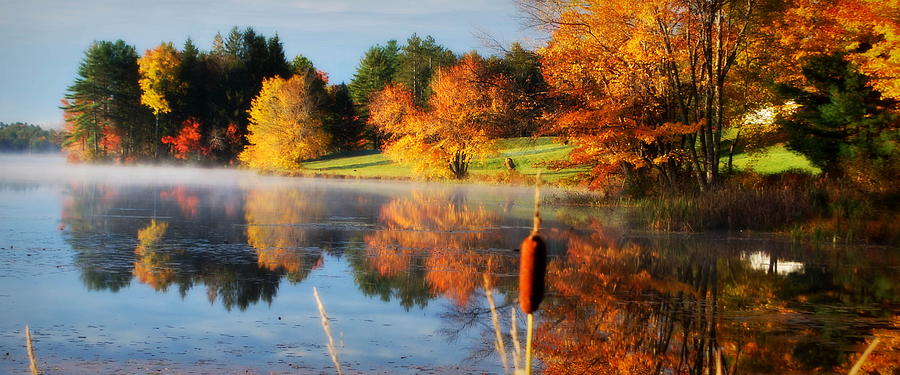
(179, 270)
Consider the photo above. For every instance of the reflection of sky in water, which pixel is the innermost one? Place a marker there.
(206, 270)
(760, 260)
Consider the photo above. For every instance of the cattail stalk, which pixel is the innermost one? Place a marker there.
(332, 351)
(32, 360)
(514, 333)
(865, 355)
(500, 346)
(528, 344)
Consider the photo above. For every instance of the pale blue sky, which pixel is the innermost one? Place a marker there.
(43, 41)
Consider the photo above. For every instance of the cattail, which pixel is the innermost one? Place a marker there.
(532, 267)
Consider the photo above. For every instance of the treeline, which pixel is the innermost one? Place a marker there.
(243, 100)
(22, 137)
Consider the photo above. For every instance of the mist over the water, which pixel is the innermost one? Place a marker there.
(53, 169)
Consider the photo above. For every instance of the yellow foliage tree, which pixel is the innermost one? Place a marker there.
(159, 77)
(285, 125)
(459, 126)
(158, 69)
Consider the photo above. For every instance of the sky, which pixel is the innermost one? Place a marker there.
(43, 41)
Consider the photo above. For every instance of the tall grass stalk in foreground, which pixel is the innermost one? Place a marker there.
(495, 318)
(332, 350)
(865, 355)
(514, 333)
(32, 360)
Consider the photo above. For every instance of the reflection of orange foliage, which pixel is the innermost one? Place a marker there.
(442, 234)
(885, 358)
(151, 266)
(272, 218)
(186, 201)
(594, 330)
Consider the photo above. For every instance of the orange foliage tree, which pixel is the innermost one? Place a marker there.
(866, 31)
(187, 142)
(285, 124)
(459, 125)
(643, 85)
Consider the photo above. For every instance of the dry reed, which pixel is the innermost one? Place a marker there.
(865, 355)
(332, 350)
(514, 333)
(495, 319)
(32, 360)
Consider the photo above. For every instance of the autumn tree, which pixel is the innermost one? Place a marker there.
(228, 79)
(842, 67)
(187, 143)
(459, 125)
(643, 84)
(285, 124)
(865, 32)
(159, 81)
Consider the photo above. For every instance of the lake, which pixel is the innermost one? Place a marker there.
(188, 270)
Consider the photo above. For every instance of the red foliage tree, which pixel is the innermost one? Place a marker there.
(187, 142)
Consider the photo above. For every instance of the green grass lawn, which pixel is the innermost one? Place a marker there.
(530, 156)
(772, 160)
(526, 153)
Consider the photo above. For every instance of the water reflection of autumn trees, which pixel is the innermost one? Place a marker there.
(435, 244)
(163, 237)
(281, 229)
(238, 244)
(153, 267)
(616, 303)
(642, 306)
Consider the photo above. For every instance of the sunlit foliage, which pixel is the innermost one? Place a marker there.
(643, 85)
(159, 77)
(458, 126)
(187, 141)
(285, 125)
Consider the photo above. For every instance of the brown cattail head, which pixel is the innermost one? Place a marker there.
(532, 268)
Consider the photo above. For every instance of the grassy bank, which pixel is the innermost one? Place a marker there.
(772, 160)
(530, 156)
(527, 153)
